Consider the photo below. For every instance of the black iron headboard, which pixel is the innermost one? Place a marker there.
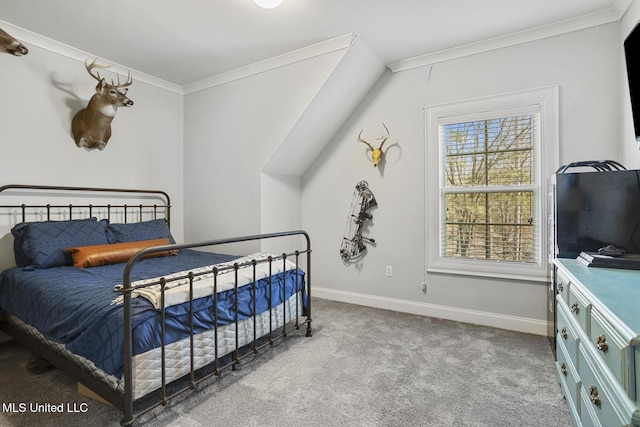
(152, 209)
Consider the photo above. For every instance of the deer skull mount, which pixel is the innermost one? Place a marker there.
(10, 45)
(376, 153)
(91, 126)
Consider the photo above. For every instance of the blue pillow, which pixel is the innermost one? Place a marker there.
(18, 237)
(43, 244)
(136, 231)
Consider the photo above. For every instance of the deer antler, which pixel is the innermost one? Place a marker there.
(363, 141)
(125, 84)
(93, 65)
(384, 137)
(96, 76)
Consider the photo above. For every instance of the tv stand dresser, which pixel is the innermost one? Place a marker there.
(598, 343)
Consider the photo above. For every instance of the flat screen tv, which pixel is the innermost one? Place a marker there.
(595, 209)
(632, 57)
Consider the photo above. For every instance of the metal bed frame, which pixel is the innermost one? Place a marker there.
(125, 401)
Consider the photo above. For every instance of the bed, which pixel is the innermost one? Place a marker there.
(101, 290)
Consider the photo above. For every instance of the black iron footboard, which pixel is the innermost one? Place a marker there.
(128, 399)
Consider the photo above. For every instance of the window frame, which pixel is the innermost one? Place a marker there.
(542, 101)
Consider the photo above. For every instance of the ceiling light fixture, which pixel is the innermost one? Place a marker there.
(268, 4)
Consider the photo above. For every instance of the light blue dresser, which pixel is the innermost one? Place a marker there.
(598, 343)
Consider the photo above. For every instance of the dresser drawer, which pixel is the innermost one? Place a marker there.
(579, 307)
(612, 348)
(590, 416)
(562, 286)
(568, 378)
(566, 333)
(603, 402)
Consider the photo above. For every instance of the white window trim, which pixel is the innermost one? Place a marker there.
(546, 100)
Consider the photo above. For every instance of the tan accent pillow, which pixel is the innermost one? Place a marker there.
(93, 256)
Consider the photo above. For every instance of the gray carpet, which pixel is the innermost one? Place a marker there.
(362, 367)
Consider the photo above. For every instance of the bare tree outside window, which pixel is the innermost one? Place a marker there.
(488, 189)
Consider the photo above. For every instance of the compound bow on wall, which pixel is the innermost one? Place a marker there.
(353, 241)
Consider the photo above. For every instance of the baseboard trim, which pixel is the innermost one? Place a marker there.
(501, 321)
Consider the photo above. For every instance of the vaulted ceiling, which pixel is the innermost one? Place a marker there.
(186, 42)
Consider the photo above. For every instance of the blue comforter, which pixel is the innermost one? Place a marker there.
(73, 306)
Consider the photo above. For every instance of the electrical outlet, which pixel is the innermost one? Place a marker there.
(423, 285)
(389, 271)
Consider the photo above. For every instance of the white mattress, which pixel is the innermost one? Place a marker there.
(147, 367)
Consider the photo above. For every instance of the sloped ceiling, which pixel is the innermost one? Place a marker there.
(356, 73)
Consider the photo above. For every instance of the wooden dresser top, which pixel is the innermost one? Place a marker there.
(618, 290)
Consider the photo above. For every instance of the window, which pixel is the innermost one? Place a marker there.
(488, 163)
(488, 191)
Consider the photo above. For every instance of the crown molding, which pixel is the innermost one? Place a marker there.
(318, 49)
(620, 7)
(312, 51)
(31, 38)
(613, 14)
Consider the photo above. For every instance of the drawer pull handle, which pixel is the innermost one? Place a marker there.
(563, 369)
(560, 287)
(575, 308)
(595, 399)
(602, 344)
(563, 333)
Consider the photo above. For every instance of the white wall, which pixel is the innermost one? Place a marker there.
(231, 132)
(630, 148)
(41, 92)
(585, 64)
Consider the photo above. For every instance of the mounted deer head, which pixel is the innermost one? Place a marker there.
(91, 126)
(10, 45)
(376, 153)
